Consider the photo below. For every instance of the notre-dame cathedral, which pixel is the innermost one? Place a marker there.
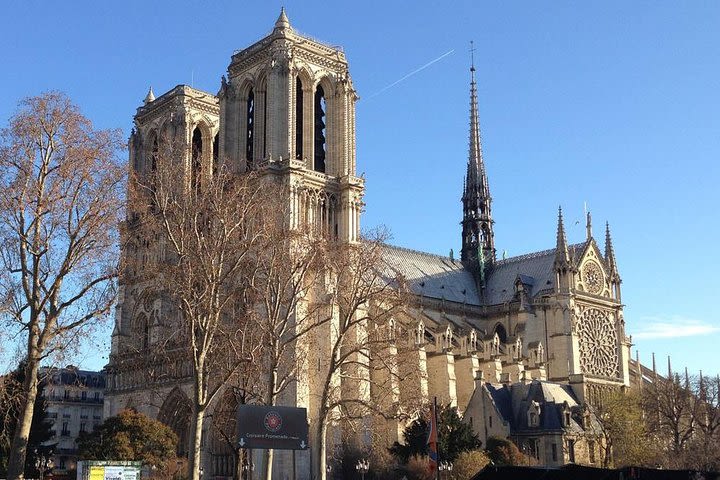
(548, 321)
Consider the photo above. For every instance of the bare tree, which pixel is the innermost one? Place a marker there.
(196, 239)
(367, 295)
(672, 407)
(286, 302)
(703, 452)
(60, 204)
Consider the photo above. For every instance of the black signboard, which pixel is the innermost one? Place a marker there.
(279, 428)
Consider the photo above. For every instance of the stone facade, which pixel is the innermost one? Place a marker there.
(287, 108)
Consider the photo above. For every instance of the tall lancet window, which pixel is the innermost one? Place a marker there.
(298, 118)
(196, 158)
(216, 154)
(265, 122)
(320, 130)
(250, 132)
(154, 155)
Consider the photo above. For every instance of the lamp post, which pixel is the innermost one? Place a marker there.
(363, 466)
(445, 467)
(43, 462)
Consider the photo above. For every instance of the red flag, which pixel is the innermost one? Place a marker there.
(432, 441)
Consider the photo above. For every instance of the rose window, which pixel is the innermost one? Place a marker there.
(598, 343)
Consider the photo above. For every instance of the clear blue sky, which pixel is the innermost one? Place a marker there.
(612, 103)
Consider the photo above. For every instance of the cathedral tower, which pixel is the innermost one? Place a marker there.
(477, 223)
(288, 108)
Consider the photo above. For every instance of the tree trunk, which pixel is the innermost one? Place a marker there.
(320, 439)
(267, 463)
(195, 460)
(18, 450)
(271, 400)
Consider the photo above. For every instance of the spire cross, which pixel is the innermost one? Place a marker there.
(472, 56)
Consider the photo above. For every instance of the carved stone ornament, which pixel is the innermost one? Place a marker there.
(598, 343)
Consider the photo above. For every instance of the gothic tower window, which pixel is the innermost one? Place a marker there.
(154, 152)
(216, 153)
(320, 130)
(298, 118)
(151, 164)
(196, 158)
(250, 132)
(265, 122)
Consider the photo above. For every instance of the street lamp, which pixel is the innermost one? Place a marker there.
(363, 466)
(43, 462)
(445, 467)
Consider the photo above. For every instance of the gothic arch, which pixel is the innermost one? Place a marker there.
(141, 330)
(223, 433)
(175, 413)
(245, 85)
(501, 332)
(328, 84)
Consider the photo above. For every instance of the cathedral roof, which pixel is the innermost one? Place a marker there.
(442, 278)
(433, 276)
(534, 269)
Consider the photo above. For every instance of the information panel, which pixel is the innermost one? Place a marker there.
(278, 428)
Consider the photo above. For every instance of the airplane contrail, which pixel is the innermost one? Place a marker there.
(417, 70)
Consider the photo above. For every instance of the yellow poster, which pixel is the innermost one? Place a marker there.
(97, 473)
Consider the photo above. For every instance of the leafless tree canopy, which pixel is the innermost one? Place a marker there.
(683, 420)
(193, 242)
(60, 203)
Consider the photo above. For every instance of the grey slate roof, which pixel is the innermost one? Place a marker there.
(513, 402)
(433, 276)
(534, 269)
(439, 277)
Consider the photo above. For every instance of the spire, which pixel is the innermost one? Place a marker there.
(562, 255)
(609, 251)
(282, 22)
(588, 225)
(477, 218)
(654, 367)
(150, 97)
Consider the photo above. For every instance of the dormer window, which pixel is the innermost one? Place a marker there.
(534, 414)
(533, 420)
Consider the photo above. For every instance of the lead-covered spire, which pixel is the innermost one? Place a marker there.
(478, 242)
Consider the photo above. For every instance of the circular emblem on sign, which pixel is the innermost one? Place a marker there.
(273, 422)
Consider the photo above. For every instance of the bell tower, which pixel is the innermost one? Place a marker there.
(287, 108)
